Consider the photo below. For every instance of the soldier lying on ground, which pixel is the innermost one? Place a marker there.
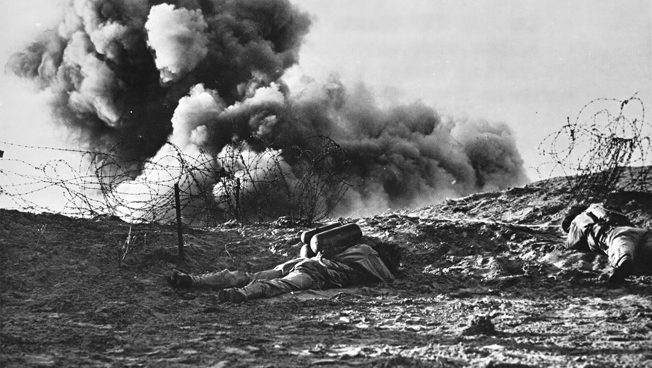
(356, 265)
(595, 228)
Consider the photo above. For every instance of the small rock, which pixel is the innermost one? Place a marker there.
(480, 325)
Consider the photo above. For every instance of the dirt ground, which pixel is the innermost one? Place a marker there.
(484, 282)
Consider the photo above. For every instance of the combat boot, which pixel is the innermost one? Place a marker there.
(180, 279)
(230, 295)
(620, 272)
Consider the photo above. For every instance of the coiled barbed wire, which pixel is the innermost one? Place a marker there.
(90, 187)
(103, 183)
(607, 147)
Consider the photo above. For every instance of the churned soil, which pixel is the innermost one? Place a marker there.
(485, 282)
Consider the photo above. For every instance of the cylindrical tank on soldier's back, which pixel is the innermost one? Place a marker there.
(307, 235)
(335, 240)
(306, 251)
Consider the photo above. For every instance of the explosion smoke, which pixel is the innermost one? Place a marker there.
(177, 38)
(106, 61)
(129, 75)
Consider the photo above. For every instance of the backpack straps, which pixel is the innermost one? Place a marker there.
(594, 217)
(603, 225)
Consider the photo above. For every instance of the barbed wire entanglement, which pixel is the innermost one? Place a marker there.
(261, 185)
(239, 183)
(607, 147)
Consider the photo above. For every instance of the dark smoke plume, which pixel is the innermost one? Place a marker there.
(205, 74)
(118, 68)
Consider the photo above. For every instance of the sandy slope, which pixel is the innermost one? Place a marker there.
(73, 295)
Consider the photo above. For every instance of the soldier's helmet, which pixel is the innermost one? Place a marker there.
(571, 214)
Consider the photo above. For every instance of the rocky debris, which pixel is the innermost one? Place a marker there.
(70, 298)
(480, 325)
(291, 222)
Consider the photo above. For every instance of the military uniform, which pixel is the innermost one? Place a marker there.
(358, 264)
(601, 230)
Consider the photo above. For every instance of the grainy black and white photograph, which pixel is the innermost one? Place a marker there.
(313, 183)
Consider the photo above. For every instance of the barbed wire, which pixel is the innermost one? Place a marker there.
(104, 183)
(595, 151)
(607, 147)
(88, 188)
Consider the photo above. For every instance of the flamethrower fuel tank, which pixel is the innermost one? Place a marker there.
(335, 240)
(307, 235)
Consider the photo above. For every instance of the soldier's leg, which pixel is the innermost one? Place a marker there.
(225, 279)
(221, 279)
(643, 262)
(293, 281)
(277, 272)
(228, 279)
(622, 252)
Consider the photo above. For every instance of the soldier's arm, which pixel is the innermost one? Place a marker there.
(576, 239)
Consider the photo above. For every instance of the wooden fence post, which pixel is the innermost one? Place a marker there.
(177, 203)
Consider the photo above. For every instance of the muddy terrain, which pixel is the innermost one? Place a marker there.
(485, 282)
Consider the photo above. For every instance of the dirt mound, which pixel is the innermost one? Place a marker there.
(484, 281)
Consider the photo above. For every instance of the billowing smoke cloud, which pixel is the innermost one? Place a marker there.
(107, 59)
(129, 75)
(178, 39)
(194, 112)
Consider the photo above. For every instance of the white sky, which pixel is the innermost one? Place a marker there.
(528, 63)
